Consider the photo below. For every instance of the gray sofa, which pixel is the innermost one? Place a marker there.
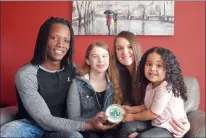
(195, 116)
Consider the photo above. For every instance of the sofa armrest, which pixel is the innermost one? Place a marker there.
(197, 121)
(7, 114)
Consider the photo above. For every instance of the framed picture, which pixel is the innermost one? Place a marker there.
(111, 17)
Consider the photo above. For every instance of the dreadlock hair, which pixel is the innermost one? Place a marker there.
(41, 42)
(173, 74)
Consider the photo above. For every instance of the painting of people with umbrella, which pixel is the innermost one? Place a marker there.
(112, 17)
(108, 14)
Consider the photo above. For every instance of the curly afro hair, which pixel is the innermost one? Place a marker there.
(173, 77)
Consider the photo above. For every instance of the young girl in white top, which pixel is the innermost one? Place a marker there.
(160, 74)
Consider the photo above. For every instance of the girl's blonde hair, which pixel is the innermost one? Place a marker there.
(112, 72)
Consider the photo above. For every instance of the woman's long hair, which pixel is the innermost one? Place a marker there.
(136, 96)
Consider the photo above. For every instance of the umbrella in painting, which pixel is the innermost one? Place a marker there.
(108, 12)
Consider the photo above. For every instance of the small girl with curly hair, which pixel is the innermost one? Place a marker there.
(160, 74)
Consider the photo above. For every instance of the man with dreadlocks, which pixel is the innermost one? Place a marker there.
(42, 86)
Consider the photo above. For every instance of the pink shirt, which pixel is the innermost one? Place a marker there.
(164, 104)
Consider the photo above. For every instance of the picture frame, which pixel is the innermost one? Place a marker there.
(111, 17)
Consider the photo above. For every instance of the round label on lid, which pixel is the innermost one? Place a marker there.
(115, 113)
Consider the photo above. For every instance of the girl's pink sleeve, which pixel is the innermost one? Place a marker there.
(160, 101)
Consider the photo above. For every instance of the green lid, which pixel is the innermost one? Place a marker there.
(115, 113)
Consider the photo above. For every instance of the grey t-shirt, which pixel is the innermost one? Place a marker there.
(26, 80)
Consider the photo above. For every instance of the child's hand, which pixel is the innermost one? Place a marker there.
(128, 117)
(128, 109)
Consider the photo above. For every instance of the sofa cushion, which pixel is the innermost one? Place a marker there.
(193, 94)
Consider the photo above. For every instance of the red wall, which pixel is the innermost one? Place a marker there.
(21, 21)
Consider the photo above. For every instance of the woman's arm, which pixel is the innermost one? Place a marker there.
(179, 127)
(27, 86)
(144, 115)
(134, 109)
(73, 103)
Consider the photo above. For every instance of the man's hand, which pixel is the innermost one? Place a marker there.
(99, 123)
